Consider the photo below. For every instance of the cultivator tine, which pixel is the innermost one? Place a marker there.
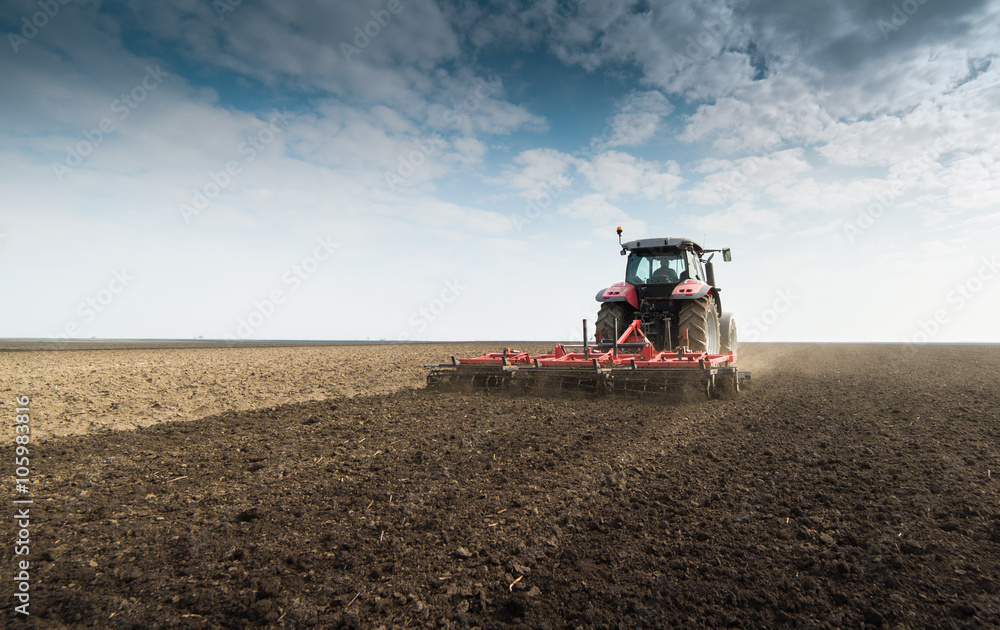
(682, 387)
(686, 386)
(464, 379)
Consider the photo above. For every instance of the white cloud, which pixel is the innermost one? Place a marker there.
(638, 119)
(820, 230)
(437, 213)
(762, 115)
(469, 150)
(688, 48)
(738, 219)
(537, 172)
(312, 45)
(973, 182)
(728, 180)
(614, 174)
(472, 105)
(595, 210)
(708, 79)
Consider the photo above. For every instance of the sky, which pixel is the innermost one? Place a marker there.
(455, 170)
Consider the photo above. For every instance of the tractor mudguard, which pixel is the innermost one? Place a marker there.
(619, 292)
(690, 290)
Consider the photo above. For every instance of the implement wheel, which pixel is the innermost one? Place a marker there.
(700, 318)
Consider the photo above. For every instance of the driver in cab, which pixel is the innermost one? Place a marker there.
(664, 274)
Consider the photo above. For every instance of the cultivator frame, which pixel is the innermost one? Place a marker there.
(629, 366)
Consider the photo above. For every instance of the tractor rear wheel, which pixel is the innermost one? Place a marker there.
(604, 329)
(700, 318)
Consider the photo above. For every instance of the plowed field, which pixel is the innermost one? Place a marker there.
(853, 486)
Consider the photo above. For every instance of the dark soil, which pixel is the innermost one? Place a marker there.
(846, 489)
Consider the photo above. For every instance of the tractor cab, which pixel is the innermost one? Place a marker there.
(656, 266)
(662, 266)
(671, 288)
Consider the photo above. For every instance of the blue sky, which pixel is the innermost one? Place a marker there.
(237, 169)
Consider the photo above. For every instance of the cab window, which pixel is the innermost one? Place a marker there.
(694, 264)
(653, 269)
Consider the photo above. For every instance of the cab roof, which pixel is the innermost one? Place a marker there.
(664, 243)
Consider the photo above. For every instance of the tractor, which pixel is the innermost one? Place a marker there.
(670, 286)
(661, 334)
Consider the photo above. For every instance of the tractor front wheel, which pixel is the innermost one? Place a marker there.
(700, 318)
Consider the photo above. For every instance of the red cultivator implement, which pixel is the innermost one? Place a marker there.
(630, 365)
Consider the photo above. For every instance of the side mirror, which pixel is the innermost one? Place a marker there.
(727, 255)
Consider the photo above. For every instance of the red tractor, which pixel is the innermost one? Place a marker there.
(670, 286)
(661, 333)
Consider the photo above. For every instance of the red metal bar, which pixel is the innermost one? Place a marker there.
(645, 357)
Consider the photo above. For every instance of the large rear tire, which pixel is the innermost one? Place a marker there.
(604, 329)
(700, 318)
